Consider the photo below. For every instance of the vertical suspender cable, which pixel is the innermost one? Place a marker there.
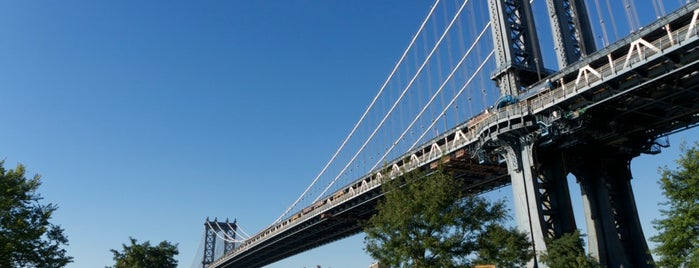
(611, 18)
(417, 73)
(634, 15)
(479, 53)
(603, 26)
(434, 96)
(428, 84)
(439, 67)
(656, 9)
(419, 89)
(629, 15)
(450, 57)
(361, 119)
(462, 47)
(478, 70)
(440, 72)
(661, 6)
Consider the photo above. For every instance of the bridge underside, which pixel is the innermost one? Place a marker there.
(591, 128)
(597, 131)
(630, 114)
(345, 219)
(633, 109)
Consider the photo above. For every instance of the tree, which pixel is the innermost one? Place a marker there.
(678, 231)
(427, 221)
(145, 256)
(27, 238)
(567, 251)
(507, 248)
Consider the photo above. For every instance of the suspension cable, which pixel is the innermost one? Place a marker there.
(199, 257)
(223, 237)
(478, 70)
(629, 9)
(243, 235)
(361, 119)
(661, 6)
(417, 73)
(243, 231)
(231, 238)
(656, 8)
(611, 18)
(634, 15)
(450, 57)
(479, 50)
(234, 231)
(434, 96)
(603, 26)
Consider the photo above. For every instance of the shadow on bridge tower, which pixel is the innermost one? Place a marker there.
(613, 226)
(539, 173)
(214, 231)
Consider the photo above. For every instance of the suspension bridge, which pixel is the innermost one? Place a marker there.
(439, 107)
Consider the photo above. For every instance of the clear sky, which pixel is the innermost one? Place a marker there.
(146, 117)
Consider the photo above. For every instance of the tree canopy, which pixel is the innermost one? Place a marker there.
(27, 238)
(427, 221)
(567, 251)
(678, 231)
(144, 255)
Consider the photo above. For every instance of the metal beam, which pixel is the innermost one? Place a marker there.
(211, 232)
(518, 56)
(540, 190)
(615, 236)
(572, 34)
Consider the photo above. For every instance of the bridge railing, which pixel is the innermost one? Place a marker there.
(640, 51)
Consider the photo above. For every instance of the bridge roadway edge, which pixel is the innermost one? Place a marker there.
(664, 103)
(492, 130)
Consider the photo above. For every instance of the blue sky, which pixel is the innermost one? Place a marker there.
(146, 117)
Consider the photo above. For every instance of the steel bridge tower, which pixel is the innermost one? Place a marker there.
(211, 231)
(518, 56)
(539, 174)
(572, 34)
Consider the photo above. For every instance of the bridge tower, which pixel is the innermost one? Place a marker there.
(211, 231)
(539, 173)
(518, 56)
(542, 201)
(572, 33)
(615, 235)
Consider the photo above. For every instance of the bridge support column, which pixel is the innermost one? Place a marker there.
(615, 236)
(540, 191)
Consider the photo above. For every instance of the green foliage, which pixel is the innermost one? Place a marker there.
(27, 238)
(146, 256)
(428, 222)
(678, 231)
(504, 247)
(567, 252)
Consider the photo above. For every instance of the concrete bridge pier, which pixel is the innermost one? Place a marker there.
(615, 236)
(540, 191)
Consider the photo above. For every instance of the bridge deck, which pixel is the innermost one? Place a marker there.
(644, 86)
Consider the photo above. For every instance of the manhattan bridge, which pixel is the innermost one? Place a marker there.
(471, 94)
